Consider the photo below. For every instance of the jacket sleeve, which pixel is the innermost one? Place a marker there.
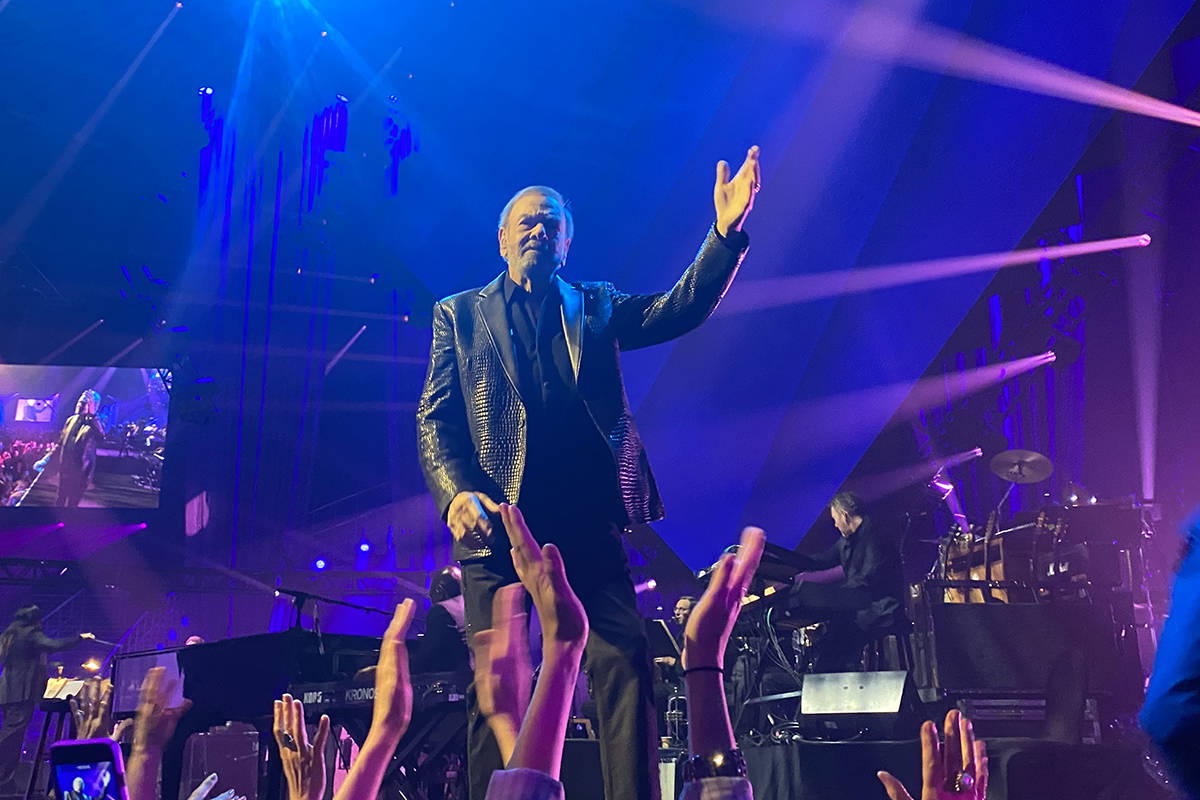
(523, 784)
(444, 444)
(43, 642)
(1171, 714)
(717, 789)
(642, 320)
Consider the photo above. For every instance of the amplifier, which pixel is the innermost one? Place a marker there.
(1008, 650)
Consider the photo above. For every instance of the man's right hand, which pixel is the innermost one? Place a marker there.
(468, 515)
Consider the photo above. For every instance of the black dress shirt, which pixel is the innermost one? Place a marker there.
(570, 475)
(870, 561)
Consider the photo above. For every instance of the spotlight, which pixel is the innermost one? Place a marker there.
(319, 564)
(324, 34)
(61, 525)
(364, 546)
(342, 98)
(1144, 240)
(91, 665)
(1092, 500)
(142, 526)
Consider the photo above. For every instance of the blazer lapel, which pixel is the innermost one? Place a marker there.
(572, 314)
(495, 319)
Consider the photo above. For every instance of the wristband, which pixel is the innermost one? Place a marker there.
(724, 764)
(718, 670)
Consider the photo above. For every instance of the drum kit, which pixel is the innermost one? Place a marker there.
(1070, 549)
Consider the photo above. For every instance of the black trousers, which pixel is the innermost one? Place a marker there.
(72, 484)
(616, 658)
(17, 717)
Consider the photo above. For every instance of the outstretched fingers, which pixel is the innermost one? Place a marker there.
(524, 546)
(749, 553)
(722, 173)
(894, 788)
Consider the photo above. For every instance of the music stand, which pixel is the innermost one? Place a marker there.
(662, 643)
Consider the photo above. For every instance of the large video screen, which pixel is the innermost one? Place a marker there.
(82, 437)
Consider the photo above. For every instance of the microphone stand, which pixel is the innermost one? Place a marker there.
(300, 599)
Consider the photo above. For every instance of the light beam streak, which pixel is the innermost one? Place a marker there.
(338, 356)
(754, 295)
(63, 347)
(32, 204)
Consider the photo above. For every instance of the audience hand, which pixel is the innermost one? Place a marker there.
(91, 709)
(544, 576)
(712, 620)
(468, 514)
(206, 786)
(303, 763)
(503, 674)
(393, 691)
(155, 722)
(153, 726)
(956, 769)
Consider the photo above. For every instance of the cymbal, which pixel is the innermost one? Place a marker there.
(1021, 466)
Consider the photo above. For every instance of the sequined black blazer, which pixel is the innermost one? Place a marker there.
(471, 419)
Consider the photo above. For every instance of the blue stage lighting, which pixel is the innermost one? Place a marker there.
(319, 564)
(364, 547)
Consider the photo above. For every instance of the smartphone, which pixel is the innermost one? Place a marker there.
(88, 769)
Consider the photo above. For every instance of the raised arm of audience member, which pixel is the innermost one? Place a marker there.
(153, 726)
(533, 769)
(715, 768)
(1171, 713)
(391, 714)
(956, 769)
(91, 709)
(503, 673)
(303, 762)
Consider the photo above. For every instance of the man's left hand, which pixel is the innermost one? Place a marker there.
(734, 198)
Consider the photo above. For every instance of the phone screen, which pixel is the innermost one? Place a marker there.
(93, 781)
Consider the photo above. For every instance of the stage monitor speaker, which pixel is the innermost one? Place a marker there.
(859, 704)
(998, 649)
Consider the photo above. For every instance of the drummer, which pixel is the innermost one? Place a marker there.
(855, 586)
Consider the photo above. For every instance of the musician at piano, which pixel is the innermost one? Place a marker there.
(23, 650)
(856, 586)
(523, 399)
(444, 645)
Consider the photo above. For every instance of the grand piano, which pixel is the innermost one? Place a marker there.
(238, 680)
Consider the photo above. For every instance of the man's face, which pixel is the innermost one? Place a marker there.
(683, 609)
(77, 785)
(534, 239)
(841, 520)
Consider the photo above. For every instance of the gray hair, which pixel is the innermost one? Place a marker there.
(548, 192)
(849, 502)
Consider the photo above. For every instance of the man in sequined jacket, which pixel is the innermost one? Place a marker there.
(524, 403)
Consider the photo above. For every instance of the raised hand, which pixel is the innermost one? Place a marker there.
(712, 619)
(954, 770)
(206, 786)
(468, 516)
(393, 691)
(154, 722)
(503, 674)
(303, 763)
(734, 197)
(545, 578)
(91, 709)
